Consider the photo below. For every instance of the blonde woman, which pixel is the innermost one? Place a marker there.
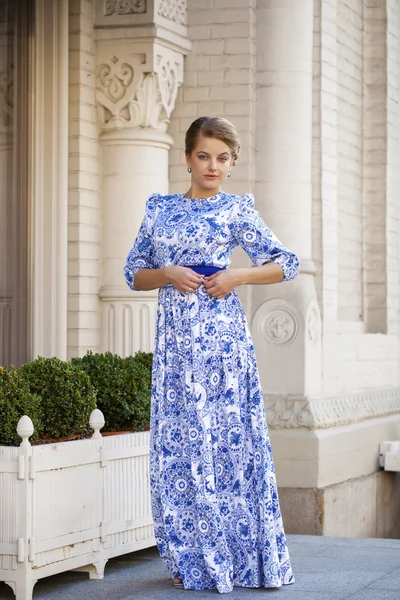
(214, 496)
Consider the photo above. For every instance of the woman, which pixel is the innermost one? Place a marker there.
(214, 496)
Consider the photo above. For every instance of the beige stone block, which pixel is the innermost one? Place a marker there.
(388, 503)
(199, 32)
(196, 94)
(350, 508)
(83, 233)
(86, 128)
(212, 108)
(231, 30)
(195, 62)
(86, 338)
(363, 507)
(85, 302)
(302, 510)
(211, 77)
(81, 22)
(239, 76)
(191, 79)
(84, 180)
(198, 5)
(229, 92)
(238, 46)
(237, 108)
(81, 93)
(83, 268)
(222, 16)
(231, 4)
(208, 47)
(81, 41)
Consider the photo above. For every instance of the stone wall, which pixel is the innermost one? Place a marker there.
(349, 90)
(364, 507)
(351, 243)
(331, 373)
(84, 198)
(219, 80)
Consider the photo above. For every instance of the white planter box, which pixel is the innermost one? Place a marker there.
(72, 505)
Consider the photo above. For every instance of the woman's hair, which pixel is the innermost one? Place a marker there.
(213, 127)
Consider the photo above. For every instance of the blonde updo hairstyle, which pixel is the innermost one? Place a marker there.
(213, 127)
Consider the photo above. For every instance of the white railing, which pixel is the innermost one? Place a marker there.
(72, 505)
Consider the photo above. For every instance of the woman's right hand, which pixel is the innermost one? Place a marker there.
(183, 278)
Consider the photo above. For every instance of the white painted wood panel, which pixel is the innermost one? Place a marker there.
(72, 505)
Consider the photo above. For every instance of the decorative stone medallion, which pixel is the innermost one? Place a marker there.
(280, 326)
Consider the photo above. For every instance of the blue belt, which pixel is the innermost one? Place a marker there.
(205, 270)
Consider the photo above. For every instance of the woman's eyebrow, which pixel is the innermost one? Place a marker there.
(204, 152)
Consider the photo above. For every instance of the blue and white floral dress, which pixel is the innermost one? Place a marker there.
(214, 496)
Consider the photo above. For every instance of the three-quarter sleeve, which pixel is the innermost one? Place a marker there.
(258, 241)
(141, 254)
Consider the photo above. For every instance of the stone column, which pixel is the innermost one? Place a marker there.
(286, 317)
(6, 153)
(139, 71)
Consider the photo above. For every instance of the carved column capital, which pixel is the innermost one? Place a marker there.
(137, 90)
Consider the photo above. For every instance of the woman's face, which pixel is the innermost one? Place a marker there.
(211, 161)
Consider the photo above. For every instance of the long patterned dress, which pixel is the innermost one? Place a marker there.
(214, 496)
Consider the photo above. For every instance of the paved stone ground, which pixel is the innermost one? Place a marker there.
(325, 568)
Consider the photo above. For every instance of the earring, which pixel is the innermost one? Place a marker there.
(230, 173)
(189, 169)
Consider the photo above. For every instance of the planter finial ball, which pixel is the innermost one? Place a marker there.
(96, 422)
(25, 429)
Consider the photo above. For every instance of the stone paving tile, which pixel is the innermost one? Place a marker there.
(369, 594)
(343, 541)
(377, 561)
(334, 581)
(391, 581)
(324, 568)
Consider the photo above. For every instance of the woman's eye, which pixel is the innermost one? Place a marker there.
(202, 156)
(223, 158)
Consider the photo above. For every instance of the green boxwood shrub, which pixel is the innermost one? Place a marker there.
(67, 396)
(123, 388)
(16, 401)
(145, 358)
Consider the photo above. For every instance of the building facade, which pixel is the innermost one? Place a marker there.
(95, 99)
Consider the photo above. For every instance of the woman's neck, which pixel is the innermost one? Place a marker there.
(198, 192)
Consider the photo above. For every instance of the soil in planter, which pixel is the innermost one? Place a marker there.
(107, 433)
(82, 436)
(71, 438)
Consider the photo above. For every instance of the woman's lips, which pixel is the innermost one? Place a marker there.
(211, 176)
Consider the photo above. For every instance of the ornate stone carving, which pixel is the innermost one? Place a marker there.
(317, 413)
(313, 325)
(128, 96)
(116, 84)
(169, 79)
(124, 7)
(174, 10)
(6, 100)
(280, 326)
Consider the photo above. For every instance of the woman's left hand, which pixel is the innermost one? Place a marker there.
(221, 283)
